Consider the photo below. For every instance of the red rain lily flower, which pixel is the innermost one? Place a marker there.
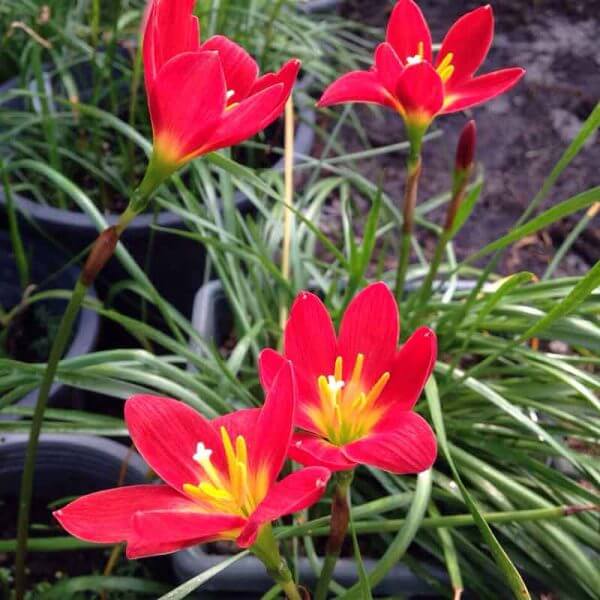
(220, 477)
(406, 78)
(203, 96)
(356, 390)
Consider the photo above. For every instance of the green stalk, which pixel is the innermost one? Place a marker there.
(340, 517)
(58, 347)
(101, 252)
(413, 173)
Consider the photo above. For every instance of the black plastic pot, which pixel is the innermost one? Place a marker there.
(212, 319)
(68, 466)
(44, 262)
(177, 263)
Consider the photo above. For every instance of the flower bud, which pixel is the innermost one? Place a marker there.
(465, 150)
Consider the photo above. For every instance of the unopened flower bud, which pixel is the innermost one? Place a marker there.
(102, 250)
(465, 150)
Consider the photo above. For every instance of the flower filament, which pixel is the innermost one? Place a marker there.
(347, 411)
(229, 492)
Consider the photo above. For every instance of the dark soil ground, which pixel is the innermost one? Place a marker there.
(521, 134)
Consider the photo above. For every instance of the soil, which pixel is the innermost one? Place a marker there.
(521, 134)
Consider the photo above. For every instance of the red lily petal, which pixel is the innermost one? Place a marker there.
(269, 364)
(287, 75)
(163, 531)
(106, 517)
(388, 66)
(239, 68)
(469, 40)
(292, 494)
(166, 433)
(421, 92)
(370, 326)
(357, 86)
(480, 89)
(410, 447)
(240, 422)
(170, 29)
(187, 101)
(311, 450)
(410, 371)
(246, 119)
(309, 337)
(407, 28)
(268, 451)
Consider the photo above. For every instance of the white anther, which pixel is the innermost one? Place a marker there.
(230, 94)
(414, 60)
(202, 453)
(335, 385)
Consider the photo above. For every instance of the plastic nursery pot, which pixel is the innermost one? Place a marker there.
(213, 320)
(174, 264)
(68, 466)
(45, 265)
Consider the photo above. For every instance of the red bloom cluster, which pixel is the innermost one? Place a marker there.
(405, 76)
(204, 96)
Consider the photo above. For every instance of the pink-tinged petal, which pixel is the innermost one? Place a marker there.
(166, 433)
(311, 450)
(287, 76)
(309, 337)
(186, 103)
(370, 326)
(481, 89)
(408, 447)
(421, 93)
(406, 29)
(292, 494)
(106, 517)
(469, 40)
(410, 370)
(357, 86)
(170, 29)
(239, 68)
(246, 119)
(388, 66)
(240, 422)
(163, 531)
(273, 430)
(269, 364)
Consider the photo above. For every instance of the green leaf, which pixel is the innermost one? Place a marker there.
(363, 580)
(93, 583)
(512, 575)
(466, 208)
(195, 582)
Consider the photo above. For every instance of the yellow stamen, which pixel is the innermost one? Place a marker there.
(421, 49)
(446, 61)
(240, 483)
(445, 68)
(359, 402)
(229, 452)
(376, 390)
(338, 368)
(241, 449)
(216, 493)
(357, 371)
(323, 389)
(446, 73)
(202, 457)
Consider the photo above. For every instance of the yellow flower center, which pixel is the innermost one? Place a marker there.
(234, 492)
(347, 411)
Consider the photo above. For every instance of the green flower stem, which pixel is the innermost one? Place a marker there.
(459, 188)
(100, 253)
(408, 220)
(266, 549)
(340, 516)
(58, 347)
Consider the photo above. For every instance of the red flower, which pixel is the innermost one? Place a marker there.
(405, 76)
(356, 390)
(220, 477)
(203, 97)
